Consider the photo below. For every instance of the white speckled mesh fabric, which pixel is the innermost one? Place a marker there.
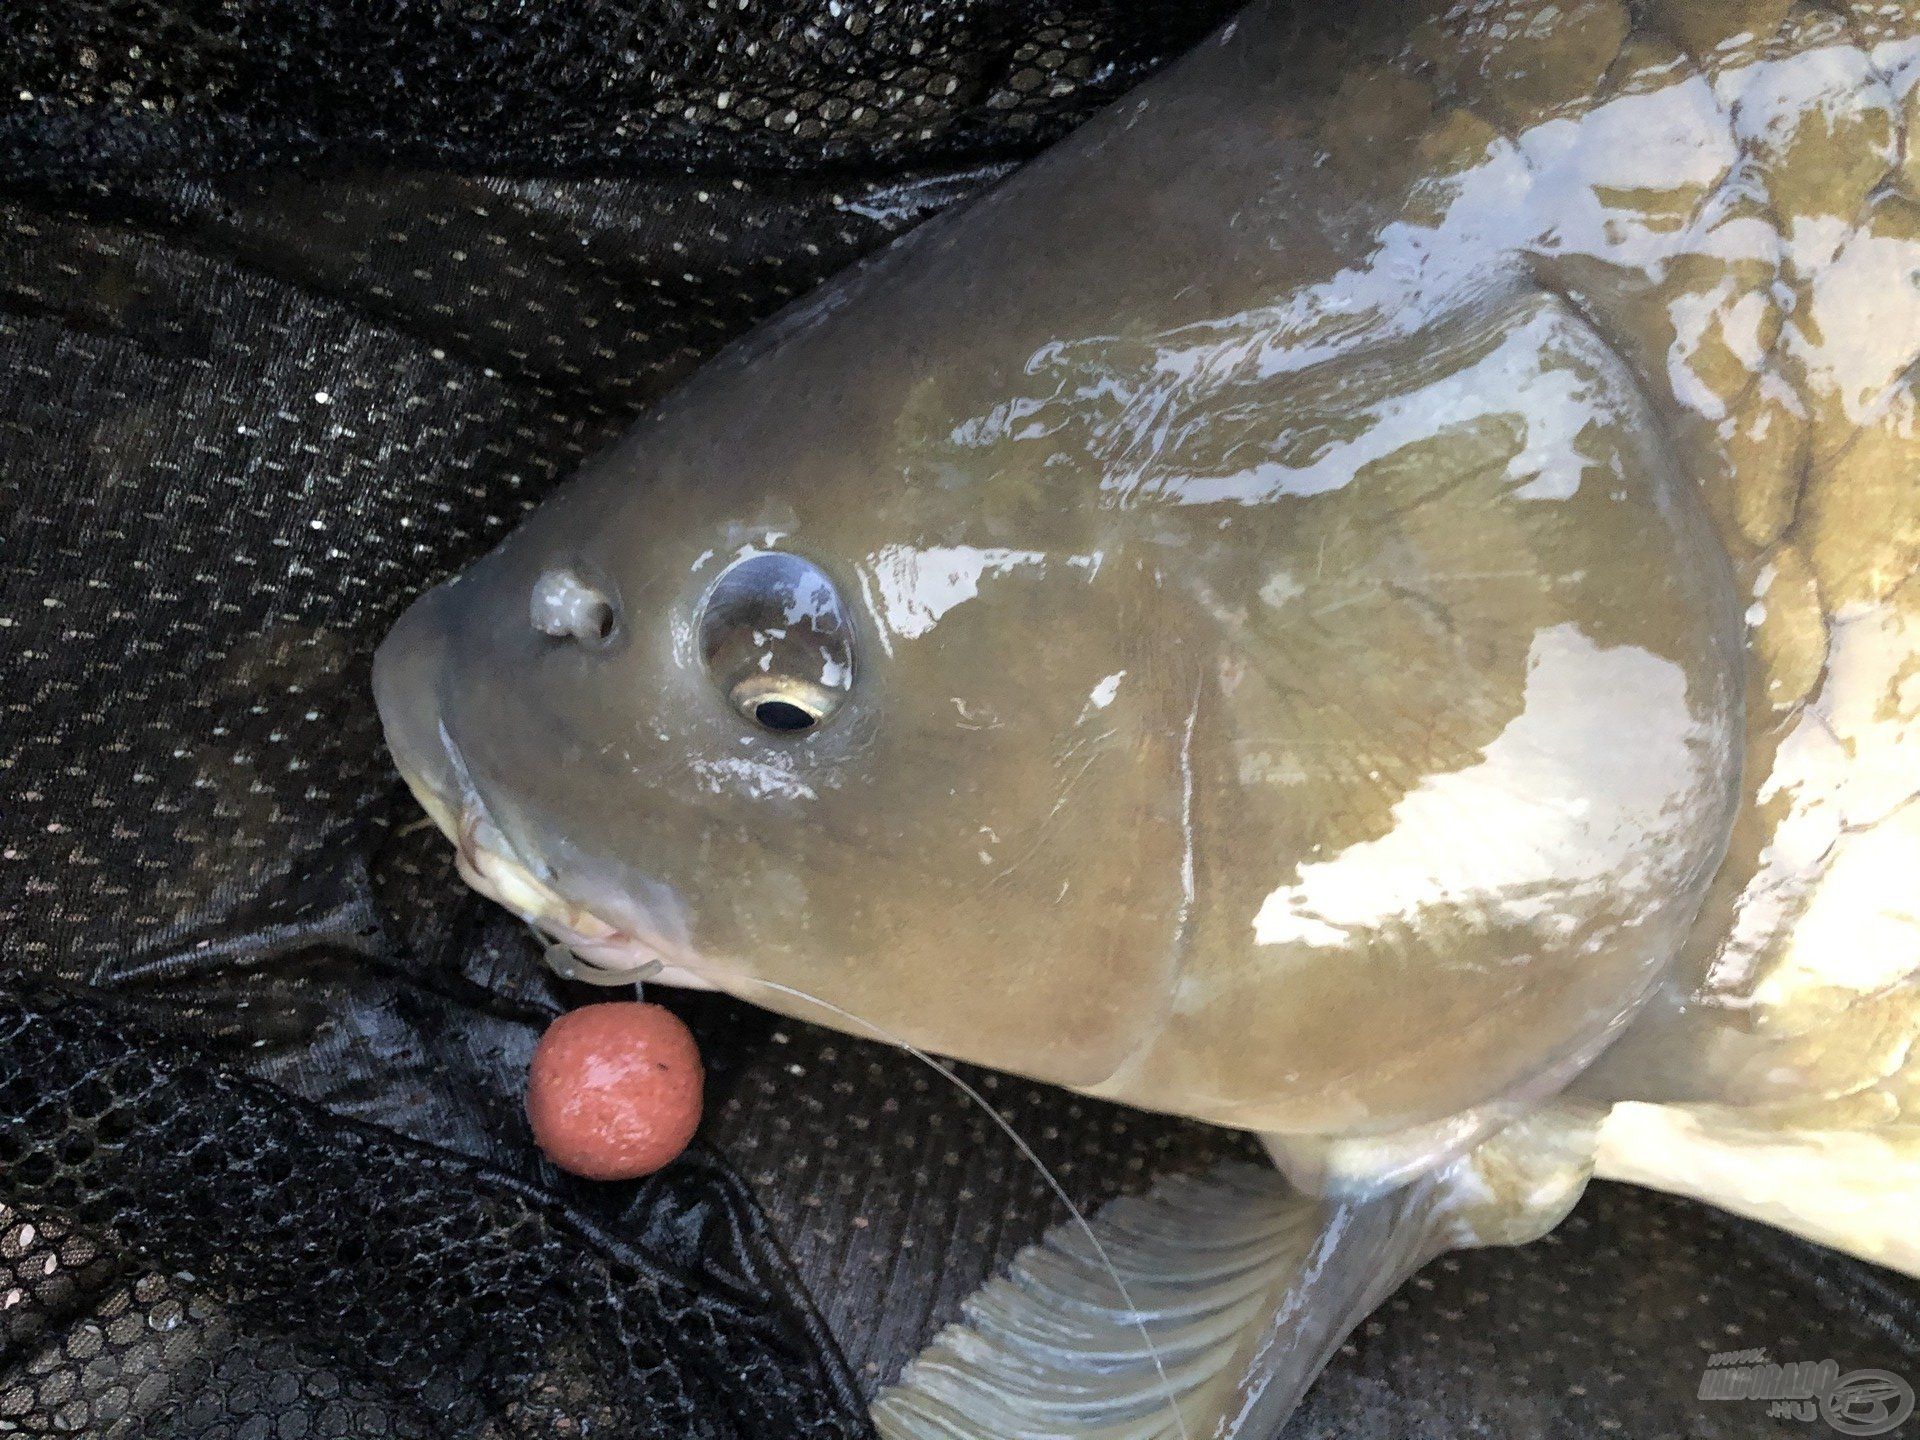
(301, 307)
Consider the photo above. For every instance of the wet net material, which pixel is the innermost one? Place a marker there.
(117, 87)
(540, 1321)
(301, 308)
(263, 1166)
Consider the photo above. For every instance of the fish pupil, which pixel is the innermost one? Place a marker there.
(780, 715)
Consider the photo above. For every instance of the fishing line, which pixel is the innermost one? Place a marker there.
(880, 1032)
(1133, 1311)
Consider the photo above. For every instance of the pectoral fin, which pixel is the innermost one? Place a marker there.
(1242, 1285)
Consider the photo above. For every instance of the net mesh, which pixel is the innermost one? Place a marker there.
(474, 1304)
(302, 307)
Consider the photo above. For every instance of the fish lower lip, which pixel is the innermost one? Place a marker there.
(487, 863)
(600, 953)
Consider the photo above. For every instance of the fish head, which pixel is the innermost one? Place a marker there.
(1274, 668)
(723, 704)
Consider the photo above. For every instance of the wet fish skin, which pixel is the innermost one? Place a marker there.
(1711, 213)
(1382, 574)
(1268, 881)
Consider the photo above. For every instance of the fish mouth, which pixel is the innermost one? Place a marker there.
(590, 946)
(587, 947)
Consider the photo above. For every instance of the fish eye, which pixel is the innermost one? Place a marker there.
(566, 607)
(775, 639)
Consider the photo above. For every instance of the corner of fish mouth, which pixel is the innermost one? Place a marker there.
(598, 944)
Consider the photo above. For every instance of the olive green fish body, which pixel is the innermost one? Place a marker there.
(1383, 557)
(1367, 595)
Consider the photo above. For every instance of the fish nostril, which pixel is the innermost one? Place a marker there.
(566, 607)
